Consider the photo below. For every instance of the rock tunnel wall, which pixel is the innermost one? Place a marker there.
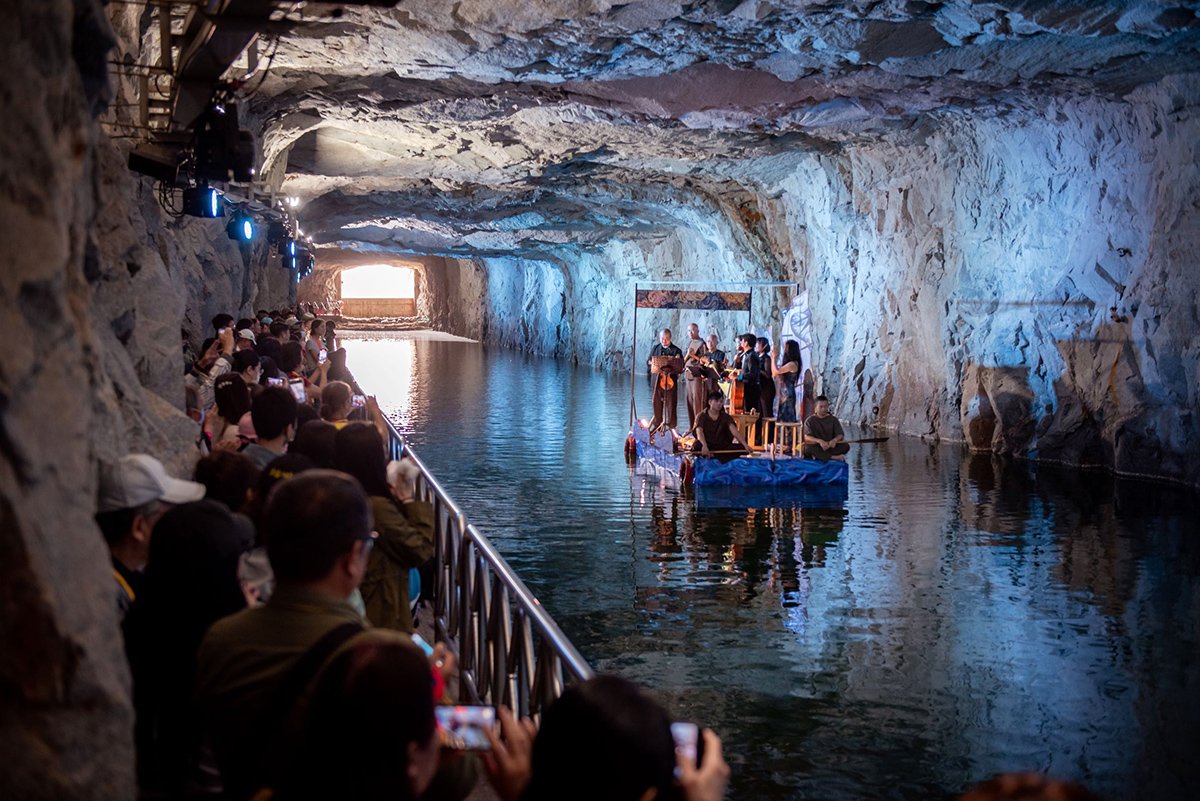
(578, 304)
(98, 285)
(963, 279)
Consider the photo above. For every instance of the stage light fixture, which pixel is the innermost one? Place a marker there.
(223, 152)
(295, 256)
(203, 201)
(277, 234)
(240, 227)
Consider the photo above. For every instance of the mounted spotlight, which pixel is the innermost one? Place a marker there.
(203, 201)
(240, 227)
(295, 256)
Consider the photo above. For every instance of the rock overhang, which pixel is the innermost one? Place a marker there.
(508, 95)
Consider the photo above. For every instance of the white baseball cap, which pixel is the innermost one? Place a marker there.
(138, 479)
(246, 333)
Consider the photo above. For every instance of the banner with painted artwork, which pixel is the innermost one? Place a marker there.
(691, 299)
(797, 325)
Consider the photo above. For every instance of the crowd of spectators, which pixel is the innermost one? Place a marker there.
(267, 611)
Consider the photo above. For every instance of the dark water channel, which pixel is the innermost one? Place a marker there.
(947, 618)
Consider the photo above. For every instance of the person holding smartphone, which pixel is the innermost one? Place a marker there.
(216, 361)
(314, 348)
(609, 716)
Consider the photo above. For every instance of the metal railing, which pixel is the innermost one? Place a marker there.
(510, 651)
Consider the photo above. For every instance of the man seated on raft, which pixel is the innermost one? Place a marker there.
(717, 435)
(823, 435)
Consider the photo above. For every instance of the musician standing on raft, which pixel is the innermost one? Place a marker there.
(695, 383)
(666, 362)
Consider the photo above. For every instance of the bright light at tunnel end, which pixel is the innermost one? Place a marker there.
(379, 281)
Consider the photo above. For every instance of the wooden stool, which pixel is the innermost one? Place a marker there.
(788, 435)
(746, 425)
(767, 431)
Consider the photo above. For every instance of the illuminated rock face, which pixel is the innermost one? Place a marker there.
(97, 284)
(964, 189)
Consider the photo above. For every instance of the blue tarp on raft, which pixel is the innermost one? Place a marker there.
(803, 496)
(765, 472)
(743, 472)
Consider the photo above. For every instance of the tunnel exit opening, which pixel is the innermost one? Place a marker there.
(378, 290)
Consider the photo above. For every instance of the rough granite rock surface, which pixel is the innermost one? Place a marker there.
(98, 284)
(966, 190)
(993, 206)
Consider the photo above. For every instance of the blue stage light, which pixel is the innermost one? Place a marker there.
(203, 201)
(240, 227)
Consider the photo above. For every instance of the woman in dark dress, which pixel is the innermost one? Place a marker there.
(786, 373)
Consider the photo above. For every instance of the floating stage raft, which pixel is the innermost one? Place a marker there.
(656, 456)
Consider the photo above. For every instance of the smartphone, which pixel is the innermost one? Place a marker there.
(275, 382)
(297, 387)
(462, 727)
(687, 741)
(358, 401)
(322, 356)
(424, 646)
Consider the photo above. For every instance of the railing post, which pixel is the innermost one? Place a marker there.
(499, 632)
(510, 651)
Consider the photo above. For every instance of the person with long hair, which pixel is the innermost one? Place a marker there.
(315, 440)
(331, 337)
(190, 582)
(405, 526)
(786, 373)
(370, 733)
(630, 753)
(314, 347)
(233, 400)
(338, 371)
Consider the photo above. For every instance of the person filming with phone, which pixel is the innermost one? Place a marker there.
(605, 740)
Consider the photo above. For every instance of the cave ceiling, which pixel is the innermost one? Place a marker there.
(519, 127)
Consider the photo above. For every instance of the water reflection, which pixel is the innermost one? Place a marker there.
(941, 618)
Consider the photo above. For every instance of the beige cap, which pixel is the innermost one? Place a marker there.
(138, 479)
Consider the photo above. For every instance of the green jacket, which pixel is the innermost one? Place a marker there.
(405, 541)
(244, 658)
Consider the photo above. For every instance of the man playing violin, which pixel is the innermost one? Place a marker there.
(666, 363)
